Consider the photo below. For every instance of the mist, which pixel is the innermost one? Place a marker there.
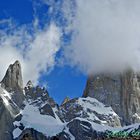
(107, 36)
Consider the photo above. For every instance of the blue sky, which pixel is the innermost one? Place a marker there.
(21, 11)
(63, 80)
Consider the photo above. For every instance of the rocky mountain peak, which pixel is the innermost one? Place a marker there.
(65, 100)
(29, 84)
(12, 80)
(120, 91)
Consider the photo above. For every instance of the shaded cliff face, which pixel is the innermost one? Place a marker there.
(121, 92)
(11, 99)
(12, 80)
(6, 122)
(89, 109)
(130, 96)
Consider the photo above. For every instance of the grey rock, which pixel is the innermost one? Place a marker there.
(106, 88)
(6, 122)
(65, 100)
(39, 95)
(81, 130)
(69, 110)
(130, 97)
(36, 92)
(120, 91)
(10, 106)
(29, 84)
(82, 107)
(47, 110)
(12, 80)
(63, 136)
(8, 112)
(31, 134)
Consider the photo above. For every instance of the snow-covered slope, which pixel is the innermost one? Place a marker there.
(8, 111)
(31, 118)
(9, 104)
(89, 109)
(52, 125)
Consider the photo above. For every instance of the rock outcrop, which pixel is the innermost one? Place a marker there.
(121, 92)
(65, 100)
(13, 83)
(29, 84)
(11, 99)
(8, 111)
(89, 109)
(12, 80)
(31, 134)
(6, 122)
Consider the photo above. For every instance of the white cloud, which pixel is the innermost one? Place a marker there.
(41, 55)
(35, 51)
(108, 36)
(8, 55)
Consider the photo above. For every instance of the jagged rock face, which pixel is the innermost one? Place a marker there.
(6, 122)
(47, 110)
(10, 102)
(8, 111)
(29, 84)
(65, 100)
(105, 88)
(12, 80)
(130, 97)
(38, 113)
(81, 130)
(35, 93)
(89, 109)
(74, 118)
(31, 134)
(121, 92)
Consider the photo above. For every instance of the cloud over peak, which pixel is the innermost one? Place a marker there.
(107, 36)
(36, 51)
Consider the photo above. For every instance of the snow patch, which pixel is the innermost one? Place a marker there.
(92, 103)
(16, 133)
(45, 124)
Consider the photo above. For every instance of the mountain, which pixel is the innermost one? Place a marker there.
(13, 82)
(121, 92)
(29, 113)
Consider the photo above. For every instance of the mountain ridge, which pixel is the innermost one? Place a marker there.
(31, 114)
